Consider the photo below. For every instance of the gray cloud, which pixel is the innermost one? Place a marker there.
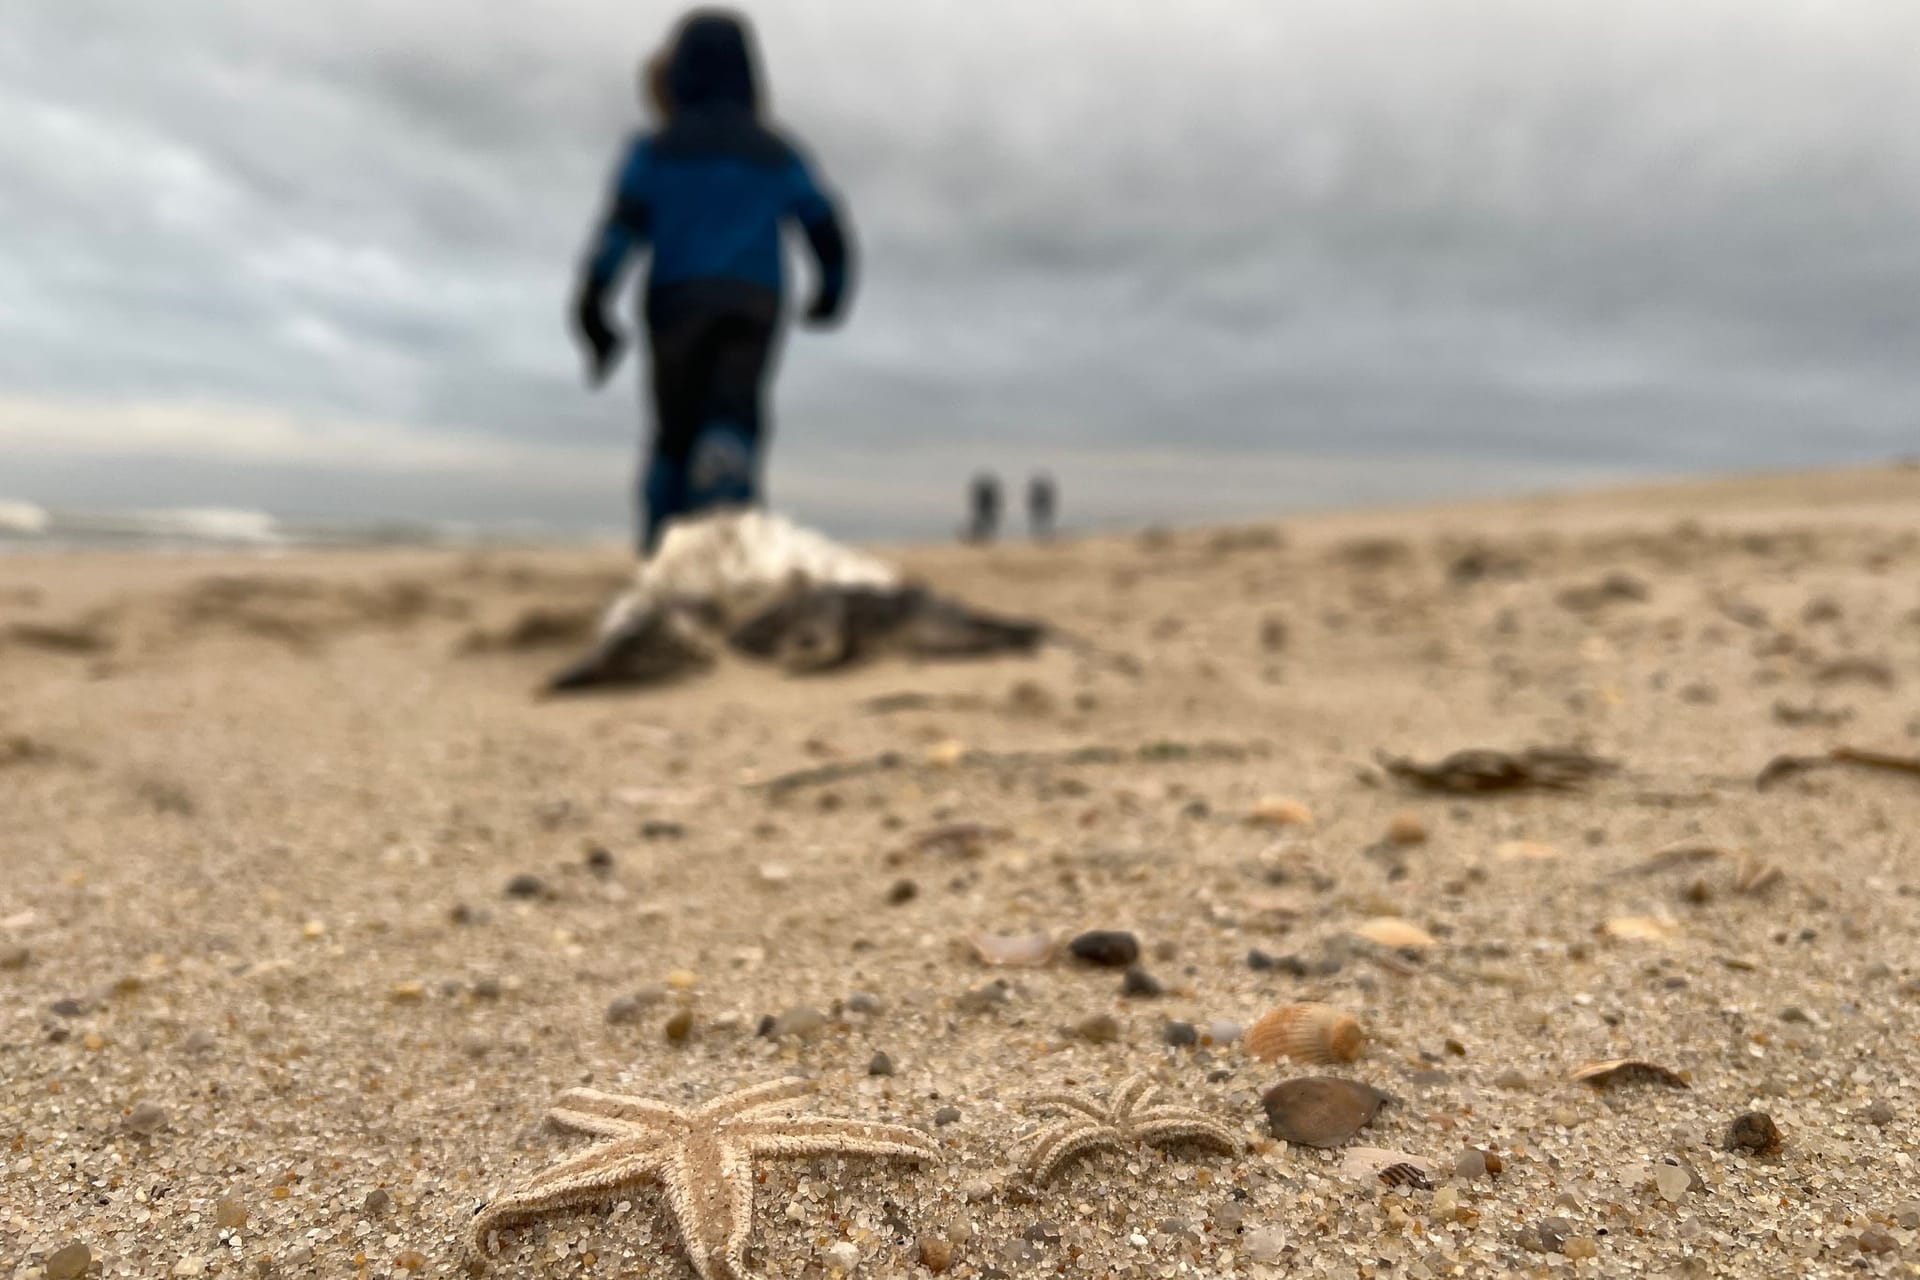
(1425, 244)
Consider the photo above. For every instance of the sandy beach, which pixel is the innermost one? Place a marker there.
(310, 908)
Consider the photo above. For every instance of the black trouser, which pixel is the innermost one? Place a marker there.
(713, 344)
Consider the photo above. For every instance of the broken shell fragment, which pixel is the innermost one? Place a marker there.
(1638, 929)
(1320, 1111)
(1391, 931)
(1604, 1075)
(1394, 1168)
(1012, 950)
(1306, 1032)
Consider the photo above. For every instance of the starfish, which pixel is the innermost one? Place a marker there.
(1133, 1115)
(703, 1157)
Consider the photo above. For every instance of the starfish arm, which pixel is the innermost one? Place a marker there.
(709, 1189)
(1165, 1126)
(602, 1126)
(591, 1176)
(1066, 1140)
(759, 1097)
(831, 1135)
(644, 1112)
(1134, 1094)
(1069, 1100)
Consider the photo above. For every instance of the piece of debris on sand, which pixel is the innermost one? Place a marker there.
(1481, 771)
(762, 586)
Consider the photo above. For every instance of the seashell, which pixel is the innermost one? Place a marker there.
(1391, 931)
(1320, 1111)
(1525, 851)
(1306, 1032)
(1604, 1075)
(1638, 929)
(1394, 1168)
(1280, 811)
(1012, 950)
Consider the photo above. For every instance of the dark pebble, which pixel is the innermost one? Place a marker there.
(1754, 1131)
(1876, 1241)
(526, 885)
(659, 829)
(1140, 984)
(600, 860)
(624, 1010)
(881, 1065)
(377, 1202)
(902, 891)
(1107, 947)
(1877, 1112)
(69, 1008)
(946, 1116)
(1181, 1035)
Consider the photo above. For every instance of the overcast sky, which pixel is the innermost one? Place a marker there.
(1201, 260)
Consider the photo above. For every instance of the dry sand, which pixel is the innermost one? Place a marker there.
(258, 821)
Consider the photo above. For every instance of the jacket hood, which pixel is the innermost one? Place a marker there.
(713, 64)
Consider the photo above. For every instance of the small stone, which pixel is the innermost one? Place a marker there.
(1552, 1234)
(985, 997)
(189, 1266)
(1220, 1033)
(410, 1260)
(14, 958)
(866, 1004)
(1101, 1028)
(679, 1026)
(1794, 1013)
(377, 1203)
(94, 1041)
(487, 988)
(798, 1022)
(936, 1253)
(314, 930)
(683, 980)
(68, 1008)
(526, 885)
(1141, 985)
(902, 891)
(1280, 811)
(199, 1040)
(1672, 1181)
(623, 1010)
(1876, 1241)
(68, 1262)
(844, 1257)
(1470, 1164)
(1907, 1215)
(1110, 948)
(407, 992)
(1181, 1035)
(600, 861)
(1264, 1245)
(1581, 1247)
(146, 1119)
(1511, 1078)
(946, 1116)
(774, 875)
(229, 1213)
(1878, 1113)
(662, 829)
(1406, 829)
(977, 1190)
(1755, 1131)
(1446, 1201)
(880, 1065)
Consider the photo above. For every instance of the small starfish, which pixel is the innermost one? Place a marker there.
(703, 1157)
(1133, 1115)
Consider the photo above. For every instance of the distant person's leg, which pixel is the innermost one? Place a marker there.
(726, 461)
(679, 386)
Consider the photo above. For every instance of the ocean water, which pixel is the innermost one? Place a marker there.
(26, 526)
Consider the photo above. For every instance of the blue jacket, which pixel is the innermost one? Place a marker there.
(710, 192)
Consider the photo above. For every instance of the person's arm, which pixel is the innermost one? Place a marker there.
(623, 230)
(819, 217)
